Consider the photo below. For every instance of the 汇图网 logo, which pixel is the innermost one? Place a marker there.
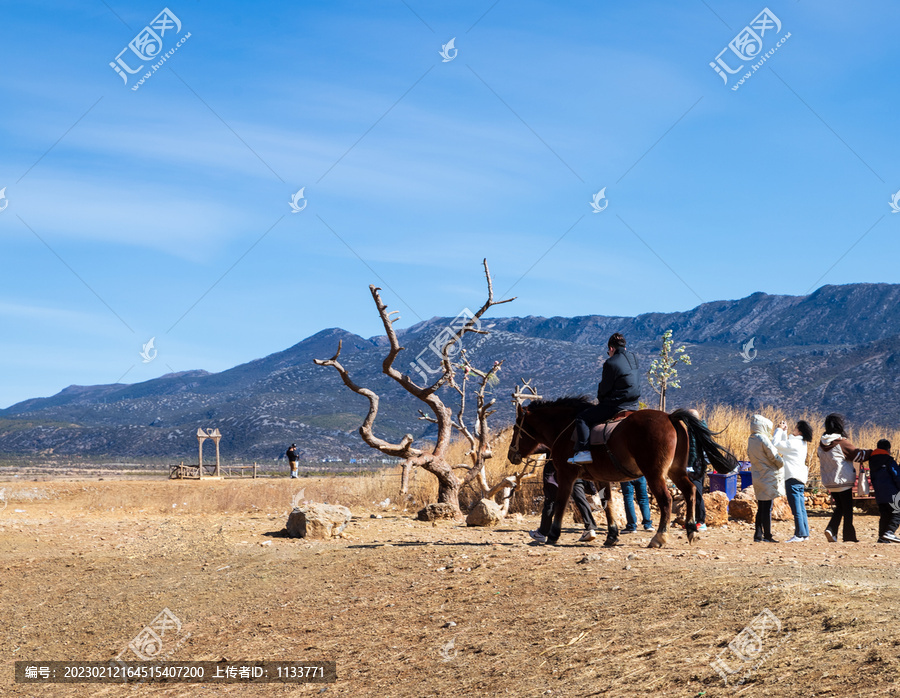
(296, 199)
(598, 197)
(449, 51)
(747, 46)
(748, 352)
(149, 45)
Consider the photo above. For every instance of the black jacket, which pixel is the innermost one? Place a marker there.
(885, 476)
(620, 382)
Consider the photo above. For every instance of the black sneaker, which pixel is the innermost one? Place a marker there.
(628, 530)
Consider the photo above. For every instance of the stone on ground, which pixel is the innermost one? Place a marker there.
(486, 513)
(716, 504)
(433, 512)
(781, 510)
(320, 521)
(742, 509)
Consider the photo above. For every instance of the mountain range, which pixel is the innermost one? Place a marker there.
(837, 349)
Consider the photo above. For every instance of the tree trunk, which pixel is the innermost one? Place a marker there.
(448, 483)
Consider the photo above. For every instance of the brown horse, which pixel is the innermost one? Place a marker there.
(651, 443)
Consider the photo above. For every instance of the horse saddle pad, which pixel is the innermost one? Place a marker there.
(601, 433)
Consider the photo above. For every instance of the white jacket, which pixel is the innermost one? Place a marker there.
(793, 450)
(766, 464)
(836, 456)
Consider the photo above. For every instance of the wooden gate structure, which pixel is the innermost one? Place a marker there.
(195, 472)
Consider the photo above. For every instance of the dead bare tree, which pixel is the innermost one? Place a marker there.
(432, 458)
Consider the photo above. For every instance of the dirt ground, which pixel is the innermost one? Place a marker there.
(408, 608)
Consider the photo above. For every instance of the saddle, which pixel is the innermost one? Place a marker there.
(602, 432)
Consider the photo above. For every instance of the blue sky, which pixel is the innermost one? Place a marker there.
(164, 212)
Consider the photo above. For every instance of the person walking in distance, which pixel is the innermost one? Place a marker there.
(292, 460)
(793, 449)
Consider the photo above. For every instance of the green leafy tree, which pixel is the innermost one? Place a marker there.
(663, 373)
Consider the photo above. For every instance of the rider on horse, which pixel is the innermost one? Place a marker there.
(619, 390)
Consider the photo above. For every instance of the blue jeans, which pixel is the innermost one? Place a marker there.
(798, 507)
(629, 490)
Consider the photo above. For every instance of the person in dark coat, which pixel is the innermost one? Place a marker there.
(885, 476)
(292, 459)
(581, 488)
(619, 390)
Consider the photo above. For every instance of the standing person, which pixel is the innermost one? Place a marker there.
(696, 470)
(619, 390)
(629, 490)
(292, 459)
(886, 483)
(836, 458)
(793, 449)
(578, 497)
(766, 465)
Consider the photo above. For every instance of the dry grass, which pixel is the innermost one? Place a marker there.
(367, 492)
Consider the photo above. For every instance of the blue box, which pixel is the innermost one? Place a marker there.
(724, 482)
(746, 479)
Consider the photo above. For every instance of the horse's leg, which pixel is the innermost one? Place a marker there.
(612, 529)
(565, 478)
(683, 482)
(658, 487)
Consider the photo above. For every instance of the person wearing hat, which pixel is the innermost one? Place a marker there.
(619, 390)
(292, 459)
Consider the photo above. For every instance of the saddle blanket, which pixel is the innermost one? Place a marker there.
(601, 433)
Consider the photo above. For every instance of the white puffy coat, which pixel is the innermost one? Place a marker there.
(766, 464)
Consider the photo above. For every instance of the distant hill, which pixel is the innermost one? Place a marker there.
(837, 349)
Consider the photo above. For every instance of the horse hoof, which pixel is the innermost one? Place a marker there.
(610, 542)
(658, 541)
(691, 536)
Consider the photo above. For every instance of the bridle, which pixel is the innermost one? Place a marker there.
(518, 430)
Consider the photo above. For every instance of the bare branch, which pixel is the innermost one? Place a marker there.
(402, 450)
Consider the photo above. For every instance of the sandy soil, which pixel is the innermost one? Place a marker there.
(79, 582)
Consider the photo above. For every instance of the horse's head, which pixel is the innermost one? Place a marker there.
(541, 423)
(523, 442)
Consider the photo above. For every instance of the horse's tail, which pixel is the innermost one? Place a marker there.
(720, 457)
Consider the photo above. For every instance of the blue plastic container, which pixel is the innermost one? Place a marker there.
(724, 482)
(746, 479)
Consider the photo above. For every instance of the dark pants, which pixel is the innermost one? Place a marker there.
(578, 497)
(700, 507)
(889, 520)
(843, 509)
(763, 520)
(591, 417)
